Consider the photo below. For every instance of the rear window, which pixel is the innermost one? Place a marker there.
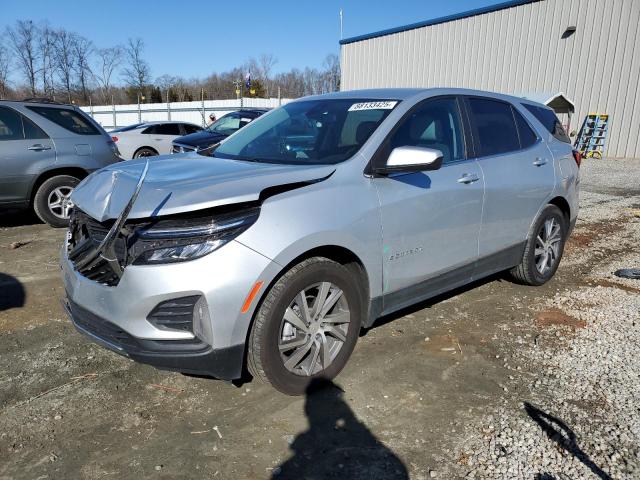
(550, 121)
(68, 119)
(495, 127)
(127, 128)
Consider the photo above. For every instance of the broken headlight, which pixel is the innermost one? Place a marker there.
(188, 238)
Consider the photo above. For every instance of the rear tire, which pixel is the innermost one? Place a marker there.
(290, 356)
(145, 152)
(51, 201)
(544, 248)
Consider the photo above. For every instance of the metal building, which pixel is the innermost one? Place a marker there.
(587, 49)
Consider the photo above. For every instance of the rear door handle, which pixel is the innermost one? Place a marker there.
(38, 147)
(468, 178)
(540, 161)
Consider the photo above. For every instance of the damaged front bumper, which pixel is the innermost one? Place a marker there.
(188, 356)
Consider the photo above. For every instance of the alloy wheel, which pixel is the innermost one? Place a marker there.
(314, 329)
(547, 250)
(59, 202)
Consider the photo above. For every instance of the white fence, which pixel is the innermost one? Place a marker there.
(112, 116)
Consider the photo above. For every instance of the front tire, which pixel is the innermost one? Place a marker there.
(544, 248)
(52, 202)
(306, 327)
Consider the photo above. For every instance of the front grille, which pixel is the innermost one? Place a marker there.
(174, 314)
(86, 233)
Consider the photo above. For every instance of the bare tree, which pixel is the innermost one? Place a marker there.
(331, 66)
(108, 61)
(137, 72)
(23, 43)
(266, 63)
(5, 64)
(46, 47)
(83, 49)
(64, 59)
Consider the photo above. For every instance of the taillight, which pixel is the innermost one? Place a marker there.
(577, 156)
(114, 138)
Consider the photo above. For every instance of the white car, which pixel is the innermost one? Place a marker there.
(150, 138)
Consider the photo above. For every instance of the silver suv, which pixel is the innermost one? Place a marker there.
(45, 150)
(313, 221)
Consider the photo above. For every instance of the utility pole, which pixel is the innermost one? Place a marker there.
(113, 104)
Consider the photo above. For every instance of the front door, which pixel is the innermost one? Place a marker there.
(430, 220)
(25, 151)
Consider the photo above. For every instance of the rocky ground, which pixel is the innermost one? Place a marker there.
(491, 381)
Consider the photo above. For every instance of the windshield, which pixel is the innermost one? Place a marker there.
(228, 124)
(308, 132)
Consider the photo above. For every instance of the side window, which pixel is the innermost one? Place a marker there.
(495, 127)
(32, 131)
(10, 125)
(550, 121)
(434, 124)
(68, 119)
(167, 129)
(527, 136)
(191, 129)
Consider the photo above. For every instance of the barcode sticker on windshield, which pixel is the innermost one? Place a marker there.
(384, 105)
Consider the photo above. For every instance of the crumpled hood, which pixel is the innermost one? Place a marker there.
(183, 182)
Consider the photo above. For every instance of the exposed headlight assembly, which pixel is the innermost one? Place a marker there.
(186, 238)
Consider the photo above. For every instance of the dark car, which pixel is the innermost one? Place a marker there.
(217, 131)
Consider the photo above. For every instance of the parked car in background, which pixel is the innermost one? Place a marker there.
(45, 150)
(217, 131)
(150, 138)
(312, 222)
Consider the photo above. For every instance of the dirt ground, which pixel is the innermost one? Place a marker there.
(415, 383)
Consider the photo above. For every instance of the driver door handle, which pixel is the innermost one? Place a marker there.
(38, 147)
(540, 161)
(468, 178)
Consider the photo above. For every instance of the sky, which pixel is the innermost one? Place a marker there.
(194, 39)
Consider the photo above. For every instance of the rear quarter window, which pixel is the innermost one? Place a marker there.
(68, 119)
(550, 121)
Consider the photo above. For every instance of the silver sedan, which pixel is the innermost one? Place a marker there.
(150, 138)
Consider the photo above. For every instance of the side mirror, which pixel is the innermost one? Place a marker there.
(412, 159)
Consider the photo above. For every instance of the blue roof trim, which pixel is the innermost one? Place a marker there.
(436, 21)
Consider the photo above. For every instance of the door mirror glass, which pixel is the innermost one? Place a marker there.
(413, 159)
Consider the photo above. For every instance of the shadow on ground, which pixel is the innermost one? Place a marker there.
(564, 437)
(18, 218)
(12, 294)
(337, 444)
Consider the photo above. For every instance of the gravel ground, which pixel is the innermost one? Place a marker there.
(578, 416)
(494, 380)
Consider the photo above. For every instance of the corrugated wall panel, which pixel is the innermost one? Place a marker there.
(520, 49)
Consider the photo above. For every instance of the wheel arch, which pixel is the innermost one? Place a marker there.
(563, 205)
(142, 148)
(339, 254)
(79, 173)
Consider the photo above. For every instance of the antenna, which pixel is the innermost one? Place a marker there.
(341, 15)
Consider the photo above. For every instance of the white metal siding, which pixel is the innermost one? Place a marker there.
(520, 49)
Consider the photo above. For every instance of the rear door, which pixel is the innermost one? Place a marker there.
(518, 171)
(430, 220)
(25, 151)
(161, 135)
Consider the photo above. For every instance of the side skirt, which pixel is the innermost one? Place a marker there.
(444, 282)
